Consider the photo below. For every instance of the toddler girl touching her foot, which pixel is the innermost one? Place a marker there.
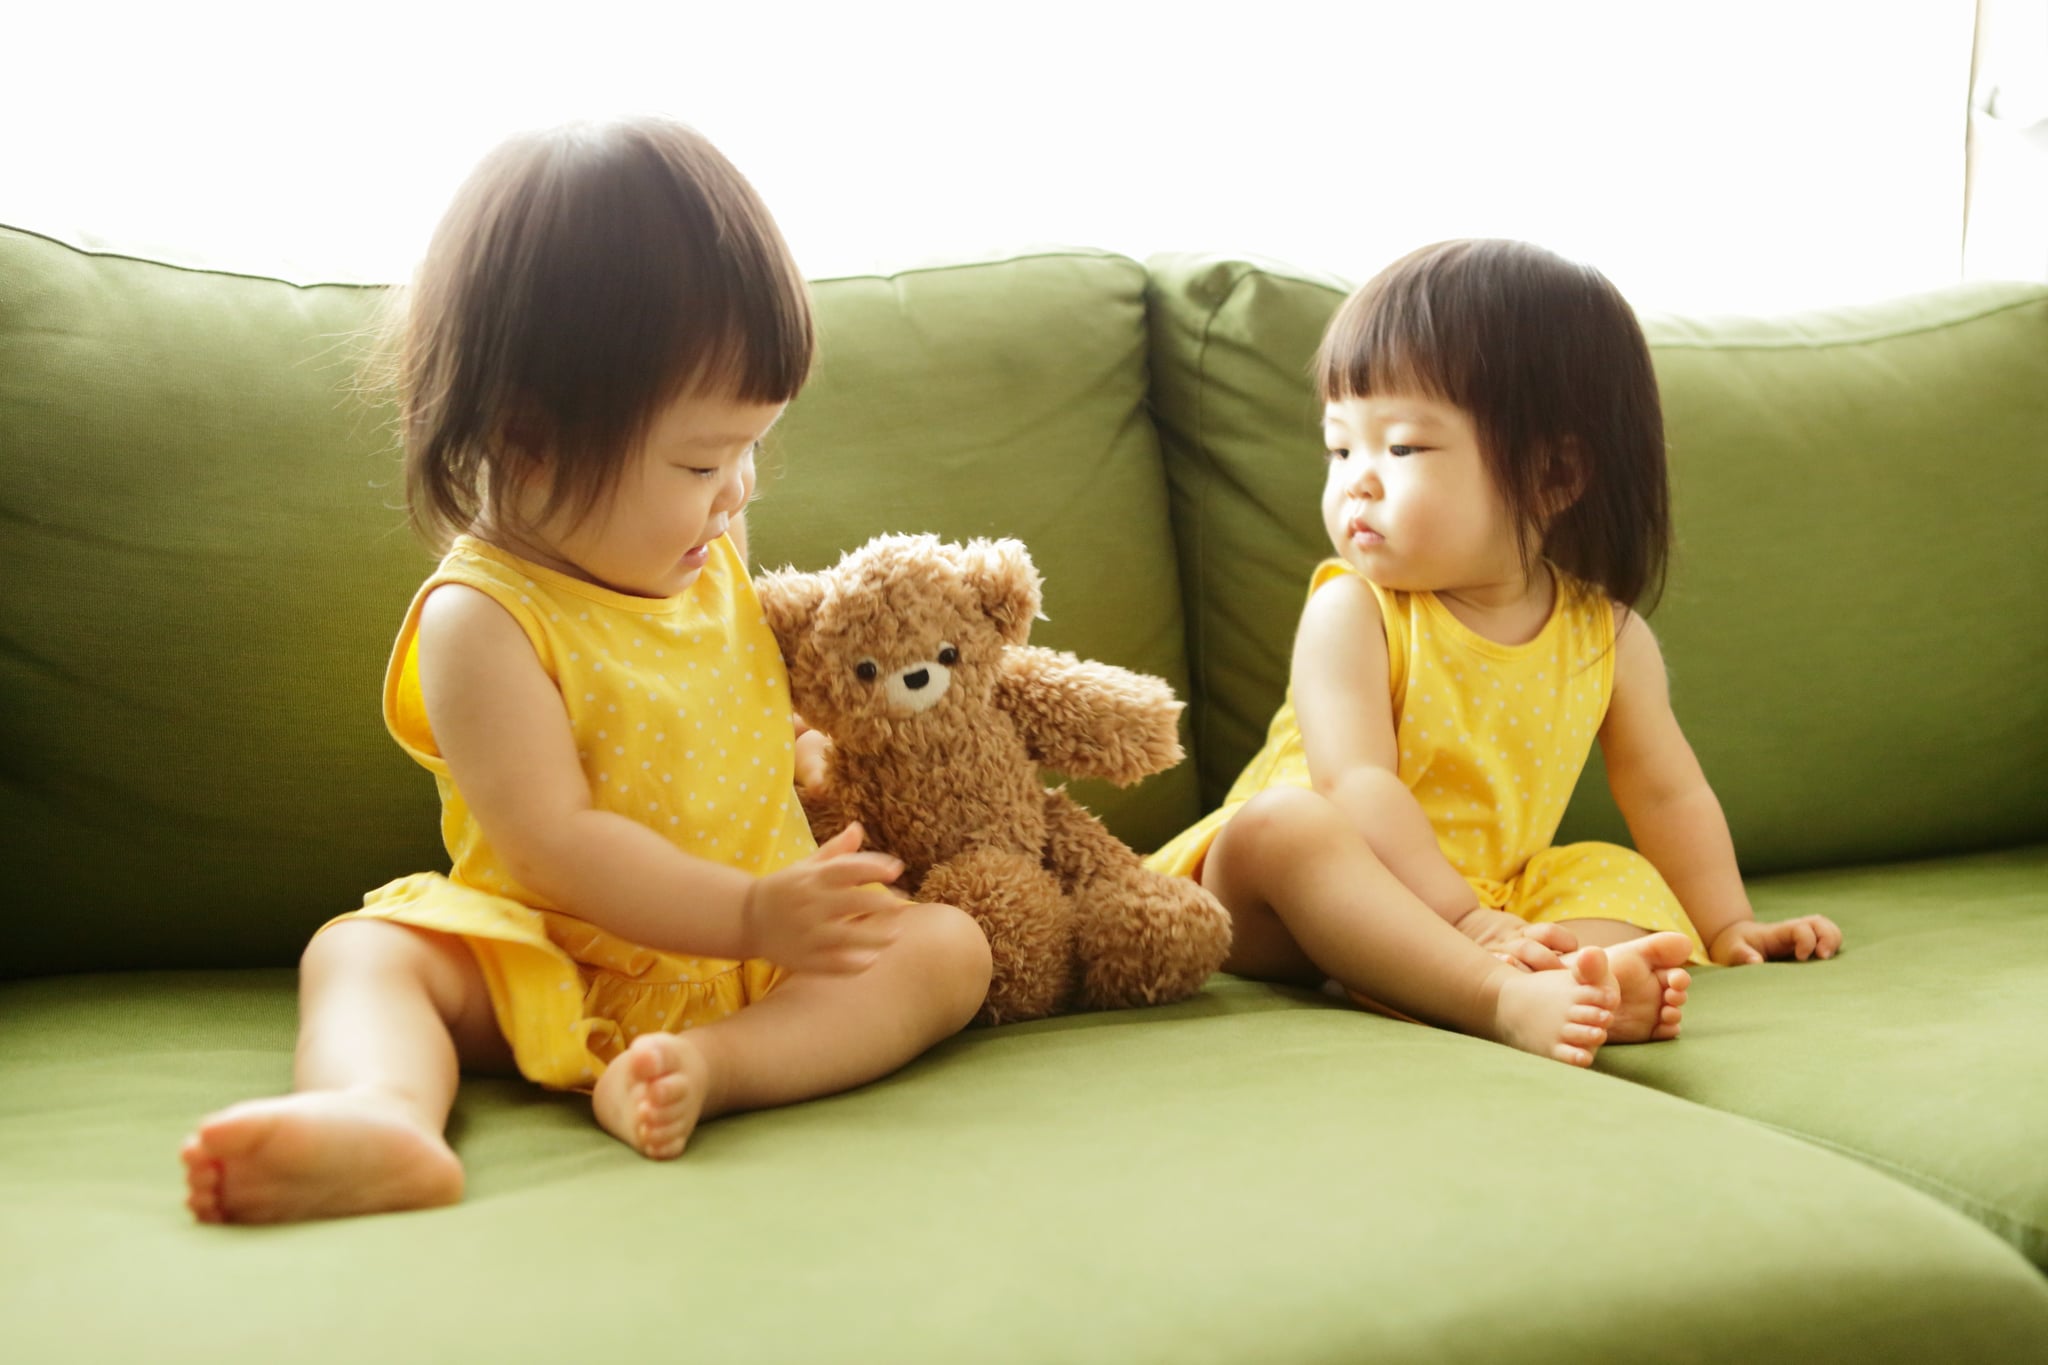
(1496, 501)
(606, 325)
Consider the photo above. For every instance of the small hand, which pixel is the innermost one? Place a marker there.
(811, 748)
(1532, 947)
(1748, 940)
(833, 912)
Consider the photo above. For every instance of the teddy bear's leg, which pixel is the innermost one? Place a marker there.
(1029, 924)
(1142, 938)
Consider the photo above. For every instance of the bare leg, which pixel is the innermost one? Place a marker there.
(1309, 899)
(813, 1035)
(386, 1015)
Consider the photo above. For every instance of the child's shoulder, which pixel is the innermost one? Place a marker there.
(1337, 571)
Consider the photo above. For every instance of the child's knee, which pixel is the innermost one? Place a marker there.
(382, 948)
(951, 945)
(1289, 823)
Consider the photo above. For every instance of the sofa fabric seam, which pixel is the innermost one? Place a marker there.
(1979, 1211)
(1206, 742)
(269, 277)
(1860, 339)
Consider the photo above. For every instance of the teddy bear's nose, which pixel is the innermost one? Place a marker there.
(913, 681)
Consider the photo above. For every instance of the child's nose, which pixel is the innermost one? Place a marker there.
(732, 493)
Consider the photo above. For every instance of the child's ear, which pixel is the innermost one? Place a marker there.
(1565, 473)
(525, 431)
(1003, 574)
(790, 600)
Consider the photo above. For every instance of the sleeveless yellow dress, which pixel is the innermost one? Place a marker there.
(681, 714)
(1492, 739)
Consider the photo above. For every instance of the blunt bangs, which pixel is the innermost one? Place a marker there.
(1548, 360)
(1397, 335)
(583, 279)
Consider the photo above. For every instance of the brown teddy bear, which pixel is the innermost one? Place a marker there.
(909, 656)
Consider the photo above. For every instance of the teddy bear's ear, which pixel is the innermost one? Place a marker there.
(790, 601)
(1002, 572)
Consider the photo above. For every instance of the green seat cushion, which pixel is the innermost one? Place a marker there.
(206, 564)
(1249, 1175)
(1856, 622)
(1919, 1050)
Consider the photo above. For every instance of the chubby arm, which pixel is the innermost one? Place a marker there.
(498, 721)
(1347, 730)
(1675, 818)
(1090, 719)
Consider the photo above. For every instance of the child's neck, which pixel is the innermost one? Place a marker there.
(1512, 612)
(529, 548)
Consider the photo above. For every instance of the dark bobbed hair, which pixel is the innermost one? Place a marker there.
(582, 278)
(1549, 361)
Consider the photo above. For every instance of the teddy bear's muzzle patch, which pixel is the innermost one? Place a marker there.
(919, 688)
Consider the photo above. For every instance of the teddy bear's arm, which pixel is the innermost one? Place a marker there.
(1090, 719)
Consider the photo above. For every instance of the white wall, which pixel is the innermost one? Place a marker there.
(1740, 155)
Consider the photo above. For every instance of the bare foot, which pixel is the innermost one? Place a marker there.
(1564, 1014)
(317, 1154)
(1651, 974)
(651, 1097)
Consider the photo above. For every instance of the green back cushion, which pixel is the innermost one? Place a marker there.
(204, 574)
(1856, 622)
(206, 563)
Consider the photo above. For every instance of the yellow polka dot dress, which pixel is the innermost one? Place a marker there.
(681, 716)
(1492, 739)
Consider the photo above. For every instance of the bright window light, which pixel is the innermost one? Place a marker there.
(1740, 156)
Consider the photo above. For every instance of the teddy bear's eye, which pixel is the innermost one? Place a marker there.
(948, 655)
(865, 670)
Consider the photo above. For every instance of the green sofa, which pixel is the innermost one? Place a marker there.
(204, 567)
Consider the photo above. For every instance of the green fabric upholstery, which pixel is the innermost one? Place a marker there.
(1919, 1050)
(1250, 1175)
(204, 574)
(1856, 622)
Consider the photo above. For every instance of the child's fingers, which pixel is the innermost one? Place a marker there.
(845, 841)
(1555, 937)
(1830, 936)
(1535, 956)
(858, 869)
(1804, 939)
(852, 946)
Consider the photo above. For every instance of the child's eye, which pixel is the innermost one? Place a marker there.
(1398, 451)
(1336, 453)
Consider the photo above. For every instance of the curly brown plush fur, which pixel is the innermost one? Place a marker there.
(910, 655)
